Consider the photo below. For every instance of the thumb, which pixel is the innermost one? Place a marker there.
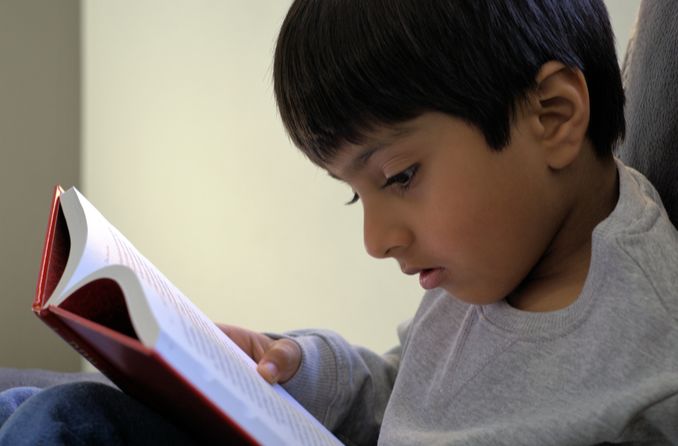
(280, 362)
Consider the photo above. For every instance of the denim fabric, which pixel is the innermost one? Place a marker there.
(83, 413)
(11, 399)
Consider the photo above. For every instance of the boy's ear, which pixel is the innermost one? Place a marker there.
(562, 112)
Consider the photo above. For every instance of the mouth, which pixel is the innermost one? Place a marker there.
(429, 278)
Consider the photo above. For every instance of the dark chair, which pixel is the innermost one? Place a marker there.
(650, 74)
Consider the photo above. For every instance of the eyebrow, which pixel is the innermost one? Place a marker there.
(360, 161)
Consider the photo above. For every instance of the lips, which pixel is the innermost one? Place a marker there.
(430, 278)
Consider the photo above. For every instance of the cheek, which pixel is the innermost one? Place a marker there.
(457, 228)
(489, 238)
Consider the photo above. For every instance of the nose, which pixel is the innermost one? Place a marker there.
(385, 232)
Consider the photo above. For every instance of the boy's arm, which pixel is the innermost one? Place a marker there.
(345, 387)
(661, 416)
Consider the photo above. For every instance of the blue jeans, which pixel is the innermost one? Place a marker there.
(83, 413)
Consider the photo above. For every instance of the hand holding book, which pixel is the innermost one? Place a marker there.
(277, 359)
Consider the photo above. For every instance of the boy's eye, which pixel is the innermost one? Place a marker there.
(402, 179)
(353, 200)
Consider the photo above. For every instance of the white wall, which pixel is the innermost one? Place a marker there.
(183, 151)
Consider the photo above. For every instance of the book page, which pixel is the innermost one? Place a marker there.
(88, 244)
(98, 247)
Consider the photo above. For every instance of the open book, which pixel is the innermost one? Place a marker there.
(110, 303)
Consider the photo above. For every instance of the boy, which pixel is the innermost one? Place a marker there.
(477, 135)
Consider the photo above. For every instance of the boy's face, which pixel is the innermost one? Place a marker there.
(443, 204)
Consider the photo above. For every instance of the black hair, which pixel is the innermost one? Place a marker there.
(343, 67)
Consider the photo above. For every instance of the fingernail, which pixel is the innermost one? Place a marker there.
(271, 371)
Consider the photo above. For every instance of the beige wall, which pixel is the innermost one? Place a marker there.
(39, 147)
(623, 15)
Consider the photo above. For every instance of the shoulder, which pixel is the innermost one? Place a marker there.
(639, 244)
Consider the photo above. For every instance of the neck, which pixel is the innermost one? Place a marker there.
(556, 281)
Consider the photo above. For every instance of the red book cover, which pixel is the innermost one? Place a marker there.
(94, 320)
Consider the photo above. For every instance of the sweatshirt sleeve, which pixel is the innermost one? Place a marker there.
(345, 387)
(660, 418)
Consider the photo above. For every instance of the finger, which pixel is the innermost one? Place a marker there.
(252, 343)
(238, 335)
(280, 362)
(258, 345)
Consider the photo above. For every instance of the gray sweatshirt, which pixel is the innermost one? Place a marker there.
(603, 370)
